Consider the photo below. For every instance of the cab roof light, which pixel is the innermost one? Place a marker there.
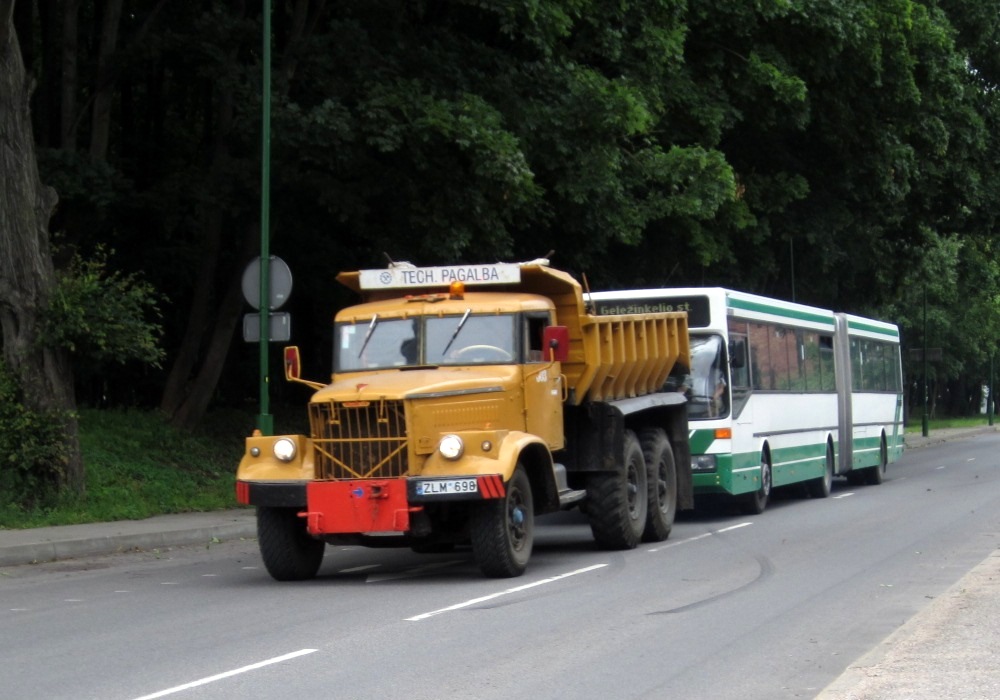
(456, 290)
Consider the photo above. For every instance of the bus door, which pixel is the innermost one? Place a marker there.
(739, 378)
(842, 371)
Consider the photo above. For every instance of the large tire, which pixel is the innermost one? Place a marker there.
(617, 502)
(821, 486)
(289, 552)
(503, 529)
(661, 478)
(876, 475)
(755, 503)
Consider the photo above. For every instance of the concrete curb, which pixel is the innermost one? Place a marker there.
(47, 544)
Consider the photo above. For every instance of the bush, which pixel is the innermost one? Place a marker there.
(32, 449)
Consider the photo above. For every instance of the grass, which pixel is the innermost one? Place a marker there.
(915, 425)
(137, 466)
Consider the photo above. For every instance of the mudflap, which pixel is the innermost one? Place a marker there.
(360, 506)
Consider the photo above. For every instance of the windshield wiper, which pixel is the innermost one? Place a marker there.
(457, 330)
(368, 335)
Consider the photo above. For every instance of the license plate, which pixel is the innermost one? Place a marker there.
(447, 487)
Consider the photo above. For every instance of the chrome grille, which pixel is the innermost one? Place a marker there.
(359, 440)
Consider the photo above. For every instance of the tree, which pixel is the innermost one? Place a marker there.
(27, 275)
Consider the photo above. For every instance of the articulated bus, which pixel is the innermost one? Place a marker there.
(780, 393)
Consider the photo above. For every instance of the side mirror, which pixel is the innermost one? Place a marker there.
(738, 353)
(293, 366)
(555, 340)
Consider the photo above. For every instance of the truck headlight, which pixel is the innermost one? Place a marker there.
(451, 447)
(284, 449)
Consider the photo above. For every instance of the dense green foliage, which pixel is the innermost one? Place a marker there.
(103, 317)
(839, 152)
(31, 446)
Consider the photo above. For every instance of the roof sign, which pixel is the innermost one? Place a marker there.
(404, 276)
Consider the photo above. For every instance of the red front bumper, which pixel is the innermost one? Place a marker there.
(341, 507)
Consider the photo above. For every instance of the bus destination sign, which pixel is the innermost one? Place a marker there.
(697, 307)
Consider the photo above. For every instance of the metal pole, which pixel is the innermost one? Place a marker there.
(925, 427)
(265, 422)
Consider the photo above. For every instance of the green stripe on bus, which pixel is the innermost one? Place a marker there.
(779, 311)
(857, 325)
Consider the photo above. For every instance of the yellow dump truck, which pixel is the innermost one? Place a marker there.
(464, 402)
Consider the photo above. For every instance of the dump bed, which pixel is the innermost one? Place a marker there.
(618, 357)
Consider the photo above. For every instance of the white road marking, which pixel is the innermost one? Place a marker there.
(227, 674)
(844, 495)
(516, 589)
(355, 569)
(677, 543)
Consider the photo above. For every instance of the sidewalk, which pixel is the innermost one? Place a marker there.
(947, 651)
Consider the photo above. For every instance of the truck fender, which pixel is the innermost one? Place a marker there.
(515, 448)
(259, 462)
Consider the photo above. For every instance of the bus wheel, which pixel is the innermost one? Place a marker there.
(756, 502)
(617, 502)
(503, 529)
(820, 487)
(876, 475)
(288, 551)
(661, 477)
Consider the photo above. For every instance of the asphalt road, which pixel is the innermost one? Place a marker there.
(770, 606)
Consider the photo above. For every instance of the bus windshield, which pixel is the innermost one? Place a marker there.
(706, 388)
(418, 342)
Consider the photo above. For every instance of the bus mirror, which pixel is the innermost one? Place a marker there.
(737, 353)
(293, 366)
(555, 340)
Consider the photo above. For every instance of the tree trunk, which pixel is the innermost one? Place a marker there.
(190, 412)
(178, 386)
(27, 277)
(67, 105)
(100, 126)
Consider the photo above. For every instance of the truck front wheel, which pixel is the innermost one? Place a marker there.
(289, 553)
(503, 529)
(617, 503)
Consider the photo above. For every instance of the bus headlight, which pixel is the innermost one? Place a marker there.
(451, 447)
(284, 449)
(703, 463)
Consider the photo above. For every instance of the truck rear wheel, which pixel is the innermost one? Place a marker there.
(661, 475)
(503, 529)
(289, 553)
(617, 503)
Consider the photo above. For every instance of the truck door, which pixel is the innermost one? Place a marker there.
(542, 384)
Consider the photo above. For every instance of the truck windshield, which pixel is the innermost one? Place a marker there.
(412, 342)
(707, 389)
